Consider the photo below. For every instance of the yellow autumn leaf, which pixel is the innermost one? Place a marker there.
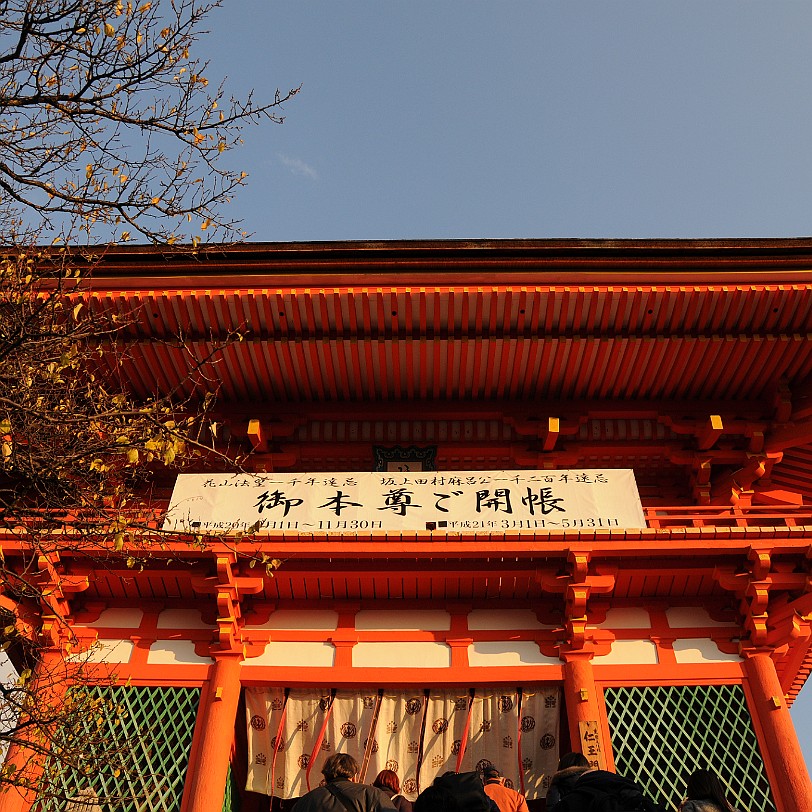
(109, 29)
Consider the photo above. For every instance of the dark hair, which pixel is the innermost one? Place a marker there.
(388, 781)
(703, 785)
(572, 760)
(339, 765)
(436, 799)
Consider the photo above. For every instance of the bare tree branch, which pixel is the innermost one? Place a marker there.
(108, 130)
(106, 116)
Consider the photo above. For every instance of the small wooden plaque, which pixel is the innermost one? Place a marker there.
(591, 744)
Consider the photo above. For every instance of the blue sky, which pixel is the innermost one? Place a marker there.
(428, 119)
(523, 119)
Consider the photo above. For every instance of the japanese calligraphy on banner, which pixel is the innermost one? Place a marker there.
(447, 502)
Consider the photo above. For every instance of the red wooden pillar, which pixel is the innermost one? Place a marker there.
(52, 683)
(15, 799)
(792, 789)
(208, 766)
(581, 698)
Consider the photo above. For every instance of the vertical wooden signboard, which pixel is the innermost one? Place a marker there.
(591, 744)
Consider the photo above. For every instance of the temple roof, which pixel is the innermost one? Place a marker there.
(585, 332)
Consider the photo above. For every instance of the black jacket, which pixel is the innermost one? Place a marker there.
(469, 791)
(562, 784)
(361, 797)
(599, 790)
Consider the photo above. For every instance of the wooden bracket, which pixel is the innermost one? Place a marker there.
(228, 588)
(578, 588)
(710, 433)
(55, 588)
(550, 436)
(760, 562)
(782, 403)
(256, 435)
(579, 565)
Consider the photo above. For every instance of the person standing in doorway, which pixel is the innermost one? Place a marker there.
(706, 794)
(342, 792)
(388, 782)
(507, 799)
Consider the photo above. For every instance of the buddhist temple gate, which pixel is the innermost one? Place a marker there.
(654, 646)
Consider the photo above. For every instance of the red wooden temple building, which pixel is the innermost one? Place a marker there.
(675, 376)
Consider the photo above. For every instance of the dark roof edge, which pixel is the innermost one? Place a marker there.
(500, 257)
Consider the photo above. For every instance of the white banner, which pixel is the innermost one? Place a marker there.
(448, 501)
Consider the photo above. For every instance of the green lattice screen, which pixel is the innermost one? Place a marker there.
(160, 723)
(661, 735)
(231, 800)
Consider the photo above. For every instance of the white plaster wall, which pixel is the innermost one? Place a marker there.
(181, 618)
(175, 652)
(629, 652)
(300, 620)
(398, 620)
(401, 655)
(106, 651)
(701, 650)
(496, 619)
(499, 653)
(295, 654)
(632, 617)
(119, 618)
(691, 617)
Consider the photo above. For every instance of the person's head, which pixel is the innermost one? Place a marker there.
(388, 781)
(338, 766)
(703, 785)
(572, 760)
(436, 799)
(491, 775)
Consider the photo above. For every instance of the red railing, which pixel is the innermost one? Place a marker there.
(728, 516)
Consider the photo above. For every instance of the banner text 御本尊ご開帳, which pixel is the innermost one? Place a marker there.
(445, 501)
